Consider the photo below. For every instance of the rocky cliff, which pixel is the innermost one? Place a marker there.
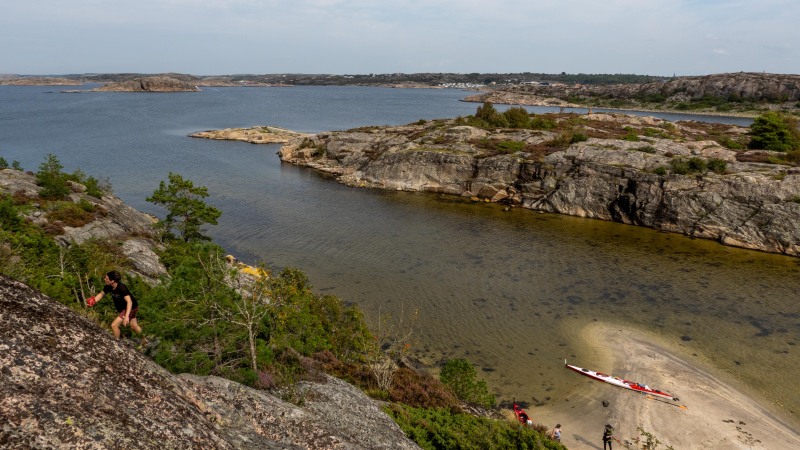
(66, 383)
(625, 171)
(150, 84)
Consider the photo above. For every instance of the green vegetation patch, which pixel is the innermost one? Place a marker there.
(444, 429)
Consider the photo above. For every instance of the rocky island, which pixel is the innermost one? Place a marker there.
(150, 84)
(644, 171)
(740, 93)
(253, 135)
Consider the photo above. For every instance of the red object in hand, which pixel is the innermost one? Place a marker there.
(91, 301)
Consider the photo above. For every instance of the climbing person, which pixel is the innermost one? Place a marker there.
(124, 302)
(556, 433)
(608, 436)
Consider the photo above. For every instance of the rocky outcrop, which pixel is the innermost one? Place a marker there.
(776, 89)
(253, 135)
(150, 84)
(750, 205)
(65, 383)
(112, 220)
(38, 81)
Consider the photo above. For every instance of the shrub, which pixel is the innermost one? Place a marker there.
(510, 146)
(421, 391)
(728, 142)
(72, 214)
(660, 170)
(578, 137)
(51, 179)
(679, 166)
(542, 123)
(646, 149)
(774, 131)
(3, 163)
(444, 429)
(697, 165)
(9, 218)
(517, 117)
(489, 115)
(461, 377)
(682, 166)
(717, 165)
(630, 135)
(96, 188)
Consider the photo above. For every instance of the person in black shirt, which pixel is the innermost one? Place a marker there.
(608, 435)
(124, 302)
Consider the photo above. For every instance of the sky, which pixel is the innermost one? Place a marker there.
(224, 37)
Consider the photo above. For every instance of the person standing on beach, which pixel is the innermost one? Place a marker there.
(556, 434)
(608, 435)
(124, 302)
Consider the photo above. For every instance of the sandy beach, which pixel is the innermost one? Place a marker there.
(717, 416)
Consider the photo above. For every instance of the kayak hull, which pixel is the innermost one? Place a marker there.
(619, 382)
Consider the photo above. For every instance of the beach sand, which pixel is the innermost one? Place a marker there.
(717, 416)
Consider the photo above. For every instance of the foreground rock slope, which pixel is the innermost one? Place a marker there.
(66, 383)
(623, 171)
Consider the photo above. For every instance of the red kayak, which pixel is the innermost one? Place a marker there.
(619, 382)
(522, 416)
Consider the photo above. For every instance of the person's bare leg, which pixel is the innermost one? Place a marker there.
(115, 326)
(135, 326)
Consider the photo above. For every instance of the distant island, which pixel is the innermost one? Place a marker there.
(732, 94)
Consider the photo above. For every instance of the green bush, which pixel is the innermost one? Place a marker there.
(681, 166)
(3, 163)
(444, 429)
(9, 217)
(697, 165)
(774, 131)
(511, 146)
(660, 170)
(460, 376)
(630, 135)
(578, 136)
(717, 165)
(52, 180)
(542, 123)
(517, 117)
(489, 115)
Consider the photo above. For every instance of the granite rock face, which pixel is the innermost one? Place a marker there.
(750, 205)
(66, 383)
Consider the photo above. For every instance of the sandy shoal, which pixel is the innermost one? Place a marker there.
(716, 416)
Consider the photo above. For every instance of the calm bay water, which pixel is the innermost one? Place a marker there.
(507, 290)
